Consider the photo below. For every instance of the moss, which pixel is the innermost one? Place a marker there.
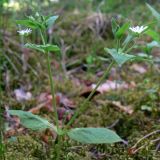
(25, 147)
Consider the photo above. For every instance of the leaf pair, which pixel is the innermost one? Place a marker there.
(38, 23)
(83, 135)
(120, 58)
(117, 30)
(30, 23)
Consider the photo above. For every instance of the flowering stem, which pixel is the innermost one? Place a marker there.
(51, 83)
(83, 106)
(57, 148)
(52, 89)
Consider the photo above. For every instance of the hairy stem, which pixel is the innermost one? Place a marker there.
(51, 82)
(52, 89)
(83, 106)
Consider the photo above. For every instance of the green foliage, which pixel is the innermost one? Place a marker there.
(51, 20)
(154, 12)
(115, 26)
(119, 57)
(29, 23)
(154, 35)
(94, 135)
(43, 48)
(149, 46)
(38, 22)
(121, 31)
(32, 121)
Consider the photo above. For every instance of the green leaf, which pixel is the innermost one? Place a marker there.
(154, 12)
(153, 34)
(119, 57)
(35, 47)
(51, 20)
(94, 135)
(29, 23)
(115, 26)
(153, 44)
(43, 48)
(122, 30)
(50, 48)
(32, 121)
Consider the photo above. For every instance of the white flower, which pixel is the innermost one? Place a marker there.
(25, 31)
(138, 29)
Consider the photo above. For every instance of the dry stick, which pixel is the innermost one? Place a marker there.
(83, 106)
(152, 141)
(146, 136)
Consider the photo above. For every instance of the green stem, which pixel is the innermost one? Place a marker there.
(51, 82)
(52, 89)
(83, 106)
(58, 147)
(129, 49)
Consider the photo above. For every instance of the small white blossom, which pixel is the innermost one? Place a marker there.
(25, 31)
(138, 29)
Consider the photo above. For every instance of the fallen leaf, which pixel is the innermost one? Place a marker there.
(110, 85)
(139, 68)
(127, 109)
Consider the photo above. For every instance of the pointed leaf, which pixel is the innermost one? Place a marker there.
(122, 29)
(32, 121)
(51, 20)
(35, 47)
(153, 34)
(43, 48)
(50, 48)
(94, 135)
(29, 23)
(115, 26)
(120, 58)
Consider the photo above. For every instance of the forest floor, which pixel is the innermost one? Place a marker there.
(128, 101)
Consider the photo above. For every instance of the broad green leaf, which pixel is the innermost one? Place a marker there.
(115, 26)
(51, 20)
(32, 121)
(120, 58)
(29, 23)
(122, 29)
(43, 48)
(153, 34)
(154, 12)
(94, 135)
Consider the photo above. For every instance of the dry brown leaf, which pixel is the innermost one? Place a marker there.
(139, 68)
(127, 109)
